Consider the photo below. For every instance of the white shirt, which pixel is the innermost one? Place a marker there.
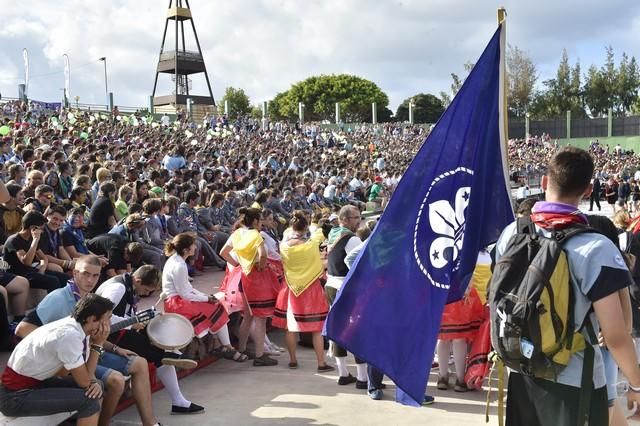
(175, 281)
(49, 348)
(272, 246)
(330, 192)
(114, 291)
(522, 192)
(355, 184)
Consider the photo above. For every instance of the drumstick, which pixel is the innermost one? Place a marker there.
(161, 298)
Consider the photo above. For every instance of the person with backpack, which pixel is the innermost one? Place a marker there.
(554, 283)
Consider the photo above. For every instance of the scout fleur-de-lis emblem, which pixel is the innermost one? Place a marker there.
(448, 222)
(440, 226)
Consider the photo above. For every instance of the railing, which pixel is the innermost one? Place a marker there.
(182, 55)
(83, 106)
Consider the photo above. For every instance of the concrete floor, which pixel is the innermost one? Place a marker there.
(240, 394)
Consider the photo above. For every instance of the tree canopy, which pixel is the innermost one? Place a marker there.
(239, 103)
(427, 108)
(521, 80)
(319, 94)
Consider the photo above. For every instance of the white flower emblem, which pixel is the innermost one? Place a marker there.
(440, 225)
(449, 224)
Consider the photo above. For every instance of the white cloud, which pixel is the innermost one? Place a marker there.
(263, 46)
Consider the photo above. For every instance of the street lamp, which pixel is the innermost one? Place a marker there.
(106, 87)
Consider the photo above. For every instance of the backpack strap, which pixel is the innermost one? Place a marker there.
(629, 236)
(562, 235)
(586, 385)
(524, 225)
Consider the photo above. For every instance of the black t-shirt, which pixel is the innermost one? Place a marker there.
(10, 252)
(101, 211)
(50, 242)
(112, 246)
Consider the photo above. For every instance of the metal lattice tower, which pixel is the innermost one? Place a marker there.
(180, 62)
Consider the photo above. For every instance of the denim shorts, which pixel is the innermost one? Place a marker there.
(109, 362)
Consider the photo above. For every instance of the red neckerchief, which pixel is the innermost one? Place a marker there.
(556, 221)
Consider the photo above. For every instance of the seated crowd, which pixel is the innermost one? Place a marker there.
(96, 222)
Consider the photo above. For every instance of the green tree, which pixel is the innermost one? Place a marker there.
(521, 78)
(612, 87)
(561, 94)
(319, 94)
(255, 112)
(427, 109)
(628, 84)
(239, 103)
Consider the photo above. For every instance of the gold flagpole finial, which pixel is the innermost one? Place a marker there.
(502, 14)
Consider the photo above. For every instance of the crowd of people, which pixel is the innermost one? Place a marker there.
(99, 209)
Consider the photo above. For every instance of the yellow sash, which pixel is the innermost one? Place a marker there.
(302, 264)
(246, 244)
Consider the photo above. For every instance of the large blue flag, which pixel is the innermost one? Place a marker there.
(451, 202)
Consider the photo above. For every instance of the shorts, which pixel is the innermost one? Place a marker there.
(539, 402)
(109, 362)
(6, 278)
(33, 318)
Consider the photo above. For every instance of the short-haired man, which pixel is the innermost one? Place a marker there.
(113, 364)
(20, 252)
(342, 239)
(31, 382)
(599, 278)
(124, 291)
(50, 246)
(34, 179)
(44, 196)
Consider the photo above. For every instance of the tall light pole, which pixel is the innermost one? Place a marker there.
(106, 86)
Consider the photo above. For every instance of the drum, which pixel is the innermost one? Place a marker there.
(170, 331)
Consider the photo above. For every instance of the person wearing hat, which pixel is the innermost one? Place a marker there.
(377, 191)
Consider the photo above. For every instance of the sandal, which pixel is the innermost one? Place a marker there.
(293, 365)
(234, 355)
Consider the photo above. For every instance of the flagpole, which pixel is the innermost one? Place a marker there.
(502, 99)
(502, 18)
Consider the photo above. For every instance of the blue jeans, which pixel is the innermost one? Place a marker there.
(375, 378)
(56, 395)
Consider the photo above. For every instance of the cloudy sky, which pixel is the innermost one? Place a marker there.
(263, 46)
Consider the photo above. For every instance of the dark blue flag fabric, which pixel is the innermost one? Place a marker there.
(451, 202)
